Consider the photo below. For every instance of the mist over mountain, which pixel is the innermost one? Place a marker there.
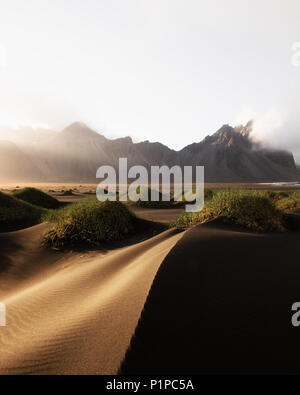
(75, 153)
(230, 155)
(15, 165)
(26, 135)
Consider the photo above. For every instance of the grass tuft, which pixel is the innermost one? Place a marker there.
(36, 197)
(291, 202)
(160, 204)
(69, 192)
(89, 223)
(172, 203)
(248, 209)
(16, 214)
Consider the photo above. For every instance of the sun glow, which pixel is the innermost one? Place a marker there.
(12, 123)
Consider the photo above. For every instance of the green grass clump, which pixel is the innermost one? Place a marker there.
(208, 195)
(89, 223)
(16, 214)
(291, 202)
(69, 192)
(36, 197)
(172, 203)
(275, 196)
(248, 209)
(160, 204)
(89, 192)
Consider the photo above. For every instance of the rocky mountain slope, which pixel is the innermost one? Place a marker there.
(230, 155)
(75, 153)
(16, 165)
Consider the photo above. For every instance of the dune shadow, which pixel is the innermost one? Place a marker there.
(221, 304)
(6, 246)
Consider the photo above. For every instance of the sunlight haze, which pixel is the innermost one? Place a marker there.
(168, 71)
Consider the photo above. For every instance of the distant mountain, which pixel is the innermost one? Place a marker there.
(229, 155)
(16, 166)
(73, 154)
(26, 135)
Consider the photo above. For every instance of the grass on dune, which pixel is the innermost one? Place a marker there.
(208, 195)
(291, 202)
(249, 209)
(36, 197)
(160, 204)
(68, 192)
(172, 203)
(92, 222)
(275, 196)
(16, 214)
(89, 223)
(284, 200)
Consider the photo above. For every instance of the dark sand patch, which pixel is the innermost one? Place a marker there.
(164, 216)
(221, 303)
(72, 313)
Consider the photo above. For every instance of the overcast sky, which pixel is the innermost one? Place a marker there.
(170, 71)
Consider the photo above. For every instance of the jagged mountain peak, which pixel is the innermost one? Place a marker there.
(228, 136)
(80, 130)
(229, 155)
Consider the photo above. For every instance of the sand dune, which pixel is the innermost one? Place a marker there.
(74, 313)
(164, 216)
(22, 259)
(221, 303)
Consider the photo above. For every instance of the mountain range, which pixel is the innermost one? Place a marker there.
(75, 153)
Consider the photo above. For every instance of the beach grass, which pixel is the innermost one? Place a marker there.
(163, 202)
(36, 197)
(16, 214)
(252, 210)
(289, 202)
(89, 223)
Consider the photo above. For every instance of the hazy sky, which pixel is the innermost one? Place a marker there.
(172, 71)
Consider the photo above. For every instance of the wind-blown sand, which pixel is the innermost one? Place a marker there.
(164, 216)
(74, 313)
(220, 304)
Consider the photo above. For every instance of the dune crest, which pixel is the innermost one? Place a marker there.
(78, 316)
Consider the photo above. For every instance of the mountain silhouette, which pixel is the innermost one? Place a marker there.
(75, 153)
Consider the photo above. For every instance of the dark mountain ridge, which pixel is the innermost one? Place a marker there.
(75, 153)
